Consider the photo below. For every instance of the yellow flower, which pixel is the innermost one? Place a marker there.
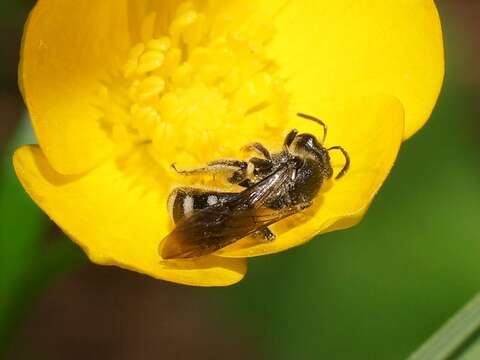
(117, 90)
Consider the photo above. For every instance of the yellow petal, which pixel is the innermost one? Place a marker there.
(325, 48)
(117, 214)
(331, 49)
(68, 48)
(370, 129)
(335, 56)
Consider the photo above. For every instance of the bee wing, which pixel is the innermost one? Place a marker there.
(216, 227)
(219, 225)
(257, 195)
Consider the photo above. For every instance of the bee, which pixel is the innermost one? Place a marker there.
(276, 186)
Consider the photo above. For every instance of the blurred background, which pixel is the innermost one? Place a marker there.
(377, 291)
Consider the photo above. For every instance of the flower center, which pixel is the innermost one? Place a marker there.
(196, 90)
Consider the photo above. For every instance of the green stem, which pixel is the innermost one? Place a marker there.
(454, 339)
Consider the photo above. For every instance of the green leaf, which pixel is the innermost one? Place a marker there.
(472, 352)
(21, 222)
(459, 338)
(27, 263)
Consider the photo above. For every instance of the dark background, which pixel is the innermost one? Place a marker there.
(373, 292)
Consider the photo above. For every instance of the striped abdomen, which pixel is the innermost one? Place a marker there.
(184, 201)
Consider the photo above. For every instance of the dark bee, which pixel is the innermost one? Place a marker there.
(276, 186)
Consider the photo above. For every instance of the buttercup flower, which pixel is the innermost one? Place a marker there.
(117, 90)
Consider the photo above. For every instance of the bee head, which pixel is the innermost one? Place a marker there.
(306, 146)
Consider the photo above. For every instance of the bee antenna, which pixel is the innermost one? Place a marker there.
(316, 120)
(347, 160)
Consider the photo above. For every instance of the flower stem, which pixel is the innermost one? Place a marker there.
(459, 338)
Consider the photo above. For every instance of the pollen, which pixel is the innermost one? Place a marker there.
(196, 85)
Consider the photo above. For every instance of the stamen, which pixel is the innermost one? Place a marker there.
(193, 87)
(149, 61)
(150, 88)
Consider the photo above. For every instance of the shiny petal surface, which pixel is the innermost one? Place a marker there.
(329, 50)
(68, 48)
(372, 70)
(373, 143)
(115, 216)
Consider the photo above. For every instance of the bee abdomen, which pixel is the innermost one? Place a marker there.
(183, 202)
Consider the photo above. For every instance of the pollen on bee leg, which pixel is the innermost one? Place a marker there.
(250, 169)
(191, 81)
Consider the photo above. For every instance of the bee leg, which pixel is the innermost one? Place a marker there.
(260, 167)
(265, 234)
(214, 167)
(240, 177)
(256, 167)
(289, 138)
(259, 148)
